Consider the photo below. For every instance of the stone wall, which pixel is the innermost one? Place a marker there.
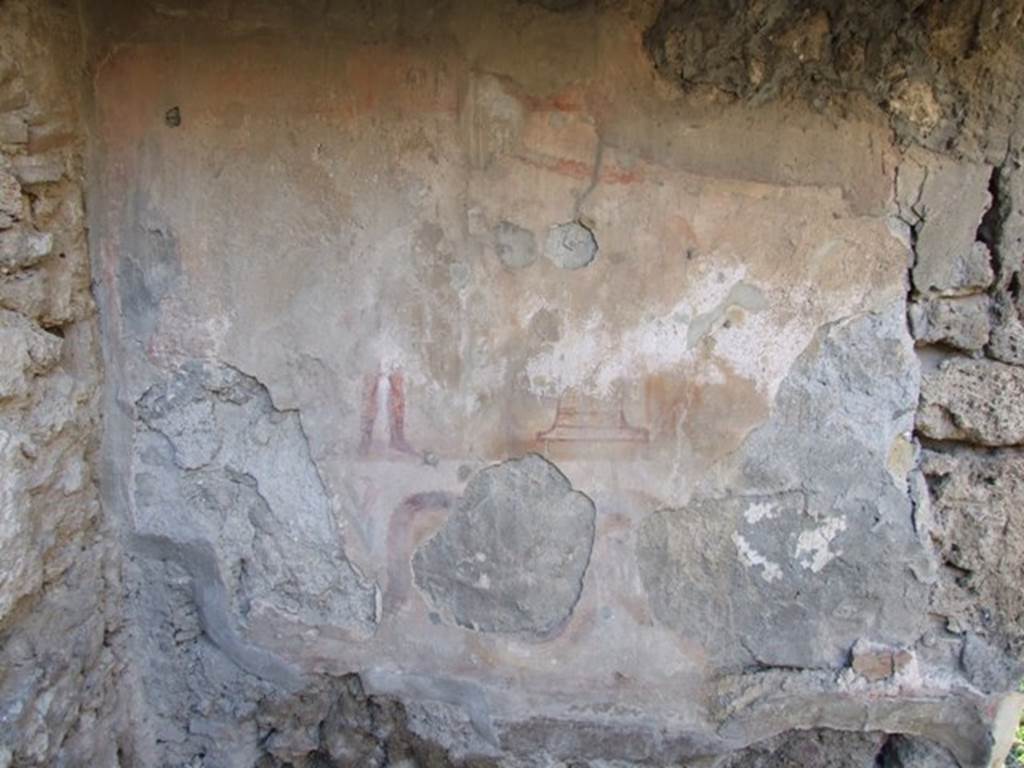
(59, 573)
(965, 314)
(512, 383)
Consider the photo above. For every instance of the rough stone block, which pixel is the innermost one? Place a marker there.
(22, 247)
(10, 200)
(1006, 342)
(25, 292)
(27, 351)
(873, 666)
(876, 662)
(59, 132)
(21, 573)
(953, 201)
(975, 401)
(39, 169)
(959, 322)
(13, 130)
(977, 524)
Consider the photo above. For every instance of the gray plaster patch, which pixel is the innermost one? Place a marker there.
(512, 556)
(571, 245)
(216, 464)
(804, 543)
(515, 245)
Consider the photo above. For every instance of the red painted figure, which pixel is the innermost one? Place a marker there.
(380, 388)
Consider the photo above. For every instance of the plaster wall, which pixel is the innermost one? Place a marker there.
(539, 383)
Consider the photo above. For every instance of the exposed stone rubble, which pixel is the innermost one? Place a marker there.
(841, 749)
(961, 322)
(963, 205)
(945, 73)
(340, 724)
(1006, 222)
(60, 655)
(973, 519)
(829, 749)
(970, 413)
(974, 401)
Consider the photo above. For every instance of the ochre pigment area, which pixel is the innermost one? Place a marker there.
(519, 383)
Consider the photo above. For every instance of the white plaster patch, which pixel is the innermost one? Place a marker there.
(751, 558)
(722, 312)
(812, 548)
(758, 511)
(763, 346)
(592, 357)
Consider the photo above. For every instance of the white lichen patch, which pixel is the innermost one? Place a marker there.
(813, 547)
(751, 558)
